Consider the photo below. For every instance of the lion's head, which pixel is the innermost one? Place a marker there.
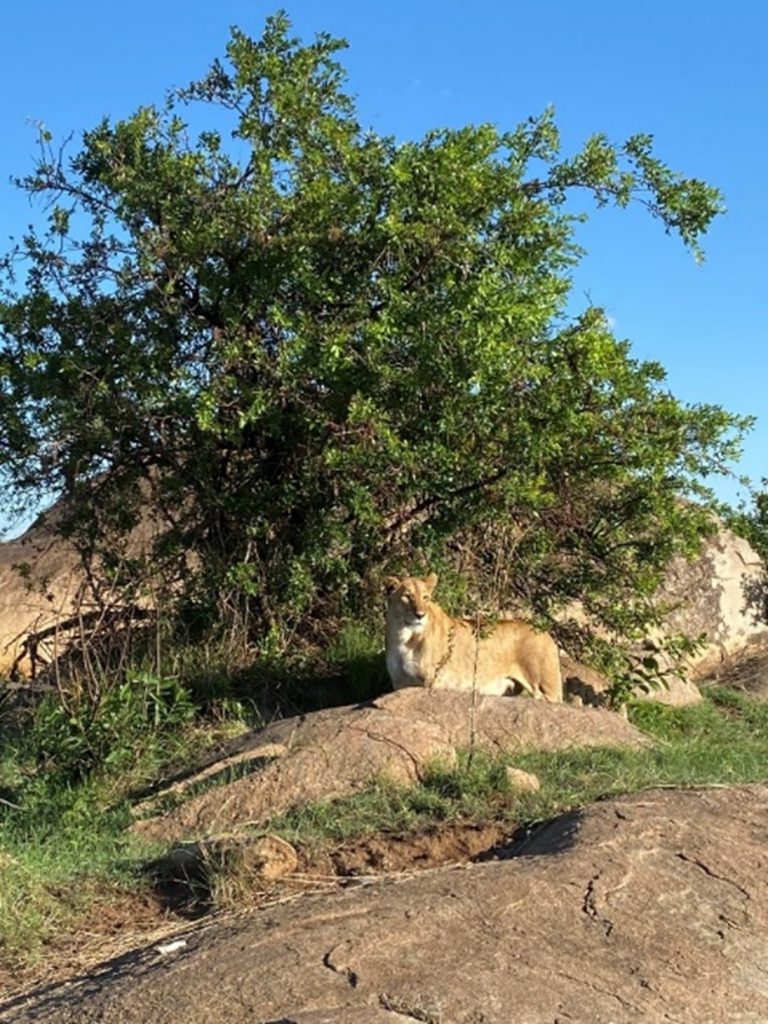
(409, 600)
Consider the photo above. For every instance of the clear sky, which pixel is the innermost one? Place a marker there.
(694, 74)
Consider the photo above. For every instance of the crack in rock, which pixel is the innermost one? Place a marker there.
(589, 906)
(713, 874)
(592, 987)
(378, 738)
(342, 969)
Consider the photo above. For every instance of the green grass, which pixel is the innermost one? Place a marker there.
(54, 869)
(64, 840)
(64, 843)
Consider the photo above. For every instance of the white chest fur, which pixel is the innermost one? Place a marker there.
(403, 655)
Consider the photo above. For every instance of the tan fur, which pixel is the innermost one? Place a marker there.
(426, 647)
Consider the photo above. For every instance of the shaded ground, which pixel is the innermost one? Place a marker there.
(651, 907)
(746, 671)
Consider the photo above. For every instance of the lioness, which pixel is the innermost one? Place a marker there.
(426, 647)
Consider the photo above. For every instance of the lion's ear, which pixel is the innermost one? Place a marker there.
(391, 583)
(431, 581)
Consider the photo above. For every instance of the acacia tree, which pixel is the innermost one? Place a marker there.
(317, 352)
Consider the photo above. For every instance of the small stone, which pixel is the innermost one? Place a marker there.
(526, 782)
(272, 857)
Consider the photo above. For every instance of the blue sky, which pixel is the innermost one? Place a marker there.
(694, 75)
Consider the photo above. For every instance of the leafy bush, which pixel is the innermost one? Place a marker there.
(751, 521)
(71, 738)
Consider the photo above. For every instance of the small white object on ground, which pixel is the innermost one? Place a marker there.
(171, 947)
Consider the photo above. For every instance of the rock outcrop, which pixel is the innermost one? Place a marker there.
(647, 908)
(39, 581)
(334, 753)
(723, 593)
(45, 591)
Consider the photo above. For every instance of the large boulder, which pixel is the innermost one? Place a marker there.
(40, 578)
(722, 593)
(334, 753)
(646, 908)
(45, 594)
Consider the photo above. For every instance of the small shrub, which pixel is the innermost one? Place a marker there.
(72, 737)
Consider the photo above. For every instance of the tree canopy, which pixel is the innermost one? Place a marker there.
(319, 353)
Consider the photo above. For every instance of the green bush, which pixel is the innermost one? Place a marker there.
(70, 738)
(314, 354)
(751, 521)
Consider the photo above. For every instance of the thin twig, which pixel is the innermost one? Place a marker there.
(473, 704)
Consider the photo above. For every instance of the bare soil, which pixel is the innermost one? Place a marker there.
(388, 852)
(114, 923)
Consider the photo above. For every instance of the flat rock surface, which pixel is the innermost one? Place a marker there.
(647, 908)
(333, 753)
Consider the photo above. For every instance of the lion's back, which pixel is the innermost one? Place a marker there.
(491, 659)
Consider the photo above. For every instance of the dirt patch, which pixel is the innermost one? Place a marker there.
(230, 870)
(113, 924)
(385, 852)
